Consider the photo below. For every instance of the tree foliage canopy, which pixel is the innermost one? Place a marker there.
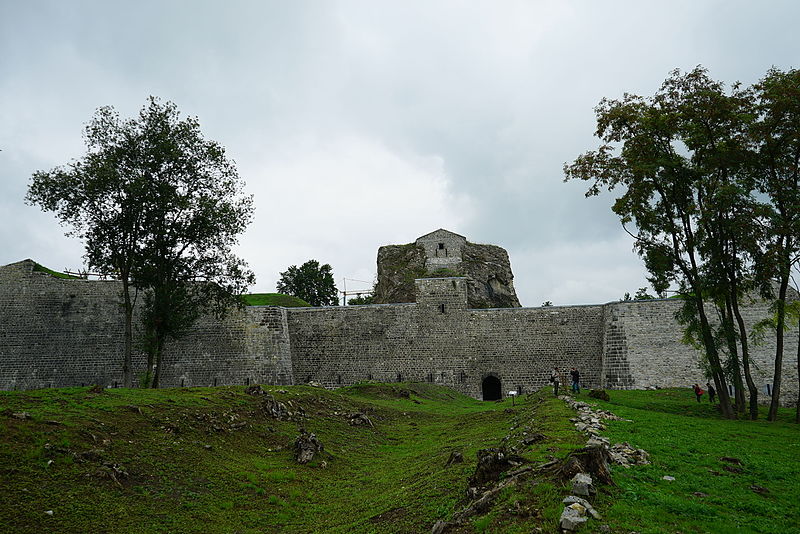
(311, 282)
(161, 207)
(708, 188)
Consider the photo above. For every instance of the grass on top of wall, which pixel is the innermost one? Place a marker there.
(37, 267)
(274, 299)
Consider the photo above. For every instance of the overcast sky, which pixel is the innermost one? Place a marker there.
(359, 124)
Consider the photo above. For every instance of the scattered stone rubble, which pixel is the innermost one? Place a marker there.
(277, 410)
(576, 513)
(590, 422)
(306, 445)
(358, 419)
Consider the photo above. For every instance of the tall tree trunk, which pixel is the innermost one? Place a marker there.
(713, 358)
(159, 352)
(733, 349)
(779, 336)
(748, 376)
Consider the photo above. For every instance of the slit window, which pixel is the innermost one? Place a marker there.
(441, 246)
(441, 308)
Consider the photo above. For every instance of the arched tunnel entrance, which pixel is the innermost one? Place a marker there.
(491, 388)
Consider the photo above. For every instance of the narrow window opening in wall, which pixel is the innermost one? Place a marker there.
(369, 376)
(399, 377)
(442, 376)
(441, 308)
(463, 377)
(430, 377)
(182, 382)
(519, 390)
(215, 381)
(339, 379)
(491, 388)
(441, 246)
(769, 390)
(248, 381)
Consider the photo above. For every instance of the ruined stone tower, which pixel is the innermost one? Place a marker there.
(442, 253)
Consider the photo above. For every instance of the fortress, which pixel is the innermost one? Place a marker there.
(65, 332)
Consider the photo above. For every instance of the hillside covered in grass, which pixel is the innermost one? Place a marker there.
(219, 460)
(274, 299)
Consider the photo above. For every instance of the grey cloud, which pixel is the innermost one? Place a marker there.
(501, 95)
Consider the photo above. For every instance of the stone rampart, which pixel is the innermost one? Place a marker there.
(643, 348)
(65, 332)
(56, 332)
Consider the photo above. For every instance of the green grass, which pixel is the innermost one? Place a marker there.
(191, 470)
(686, 440)
(274, 299)
(42, 269)
(210, 460)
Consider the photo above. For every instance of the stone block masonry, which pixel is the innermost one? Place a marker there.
(56, 332)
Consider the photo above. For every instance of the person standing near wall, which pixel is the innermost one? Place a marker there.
(698, 391)
(576, 380)
(554, 379)
(711, 392)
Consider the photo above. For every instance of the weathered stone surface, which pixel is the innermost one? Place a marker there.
(64, 332)
(582, 485)
(583, 502)
(441, 254)
(398, 266)
(58, 332)
(359, 419)
(573, 516)
(490, 281)
(306, 445)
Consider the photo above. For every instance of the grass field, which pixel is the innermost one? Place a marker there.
(686, 440)
(274, 299)
(211, 460)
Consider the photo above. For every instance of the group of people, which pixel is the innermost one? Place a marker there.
(698, 391)
(556, 378)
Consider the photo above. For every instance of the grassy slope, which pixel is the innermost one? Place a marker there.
(274, 299)
(391, 478)
(686, 440)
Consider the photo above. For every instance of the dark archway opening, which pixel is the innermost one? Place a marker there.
(491, 388)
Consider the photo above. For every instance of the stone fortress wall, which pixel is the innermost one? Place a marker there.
(56, 332)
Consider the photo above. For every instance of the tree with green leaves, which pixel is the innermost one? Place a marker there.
(361, 300)
(671, 155)
(311, 282)
(102, 197)
(161, 206)
(776, 137)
